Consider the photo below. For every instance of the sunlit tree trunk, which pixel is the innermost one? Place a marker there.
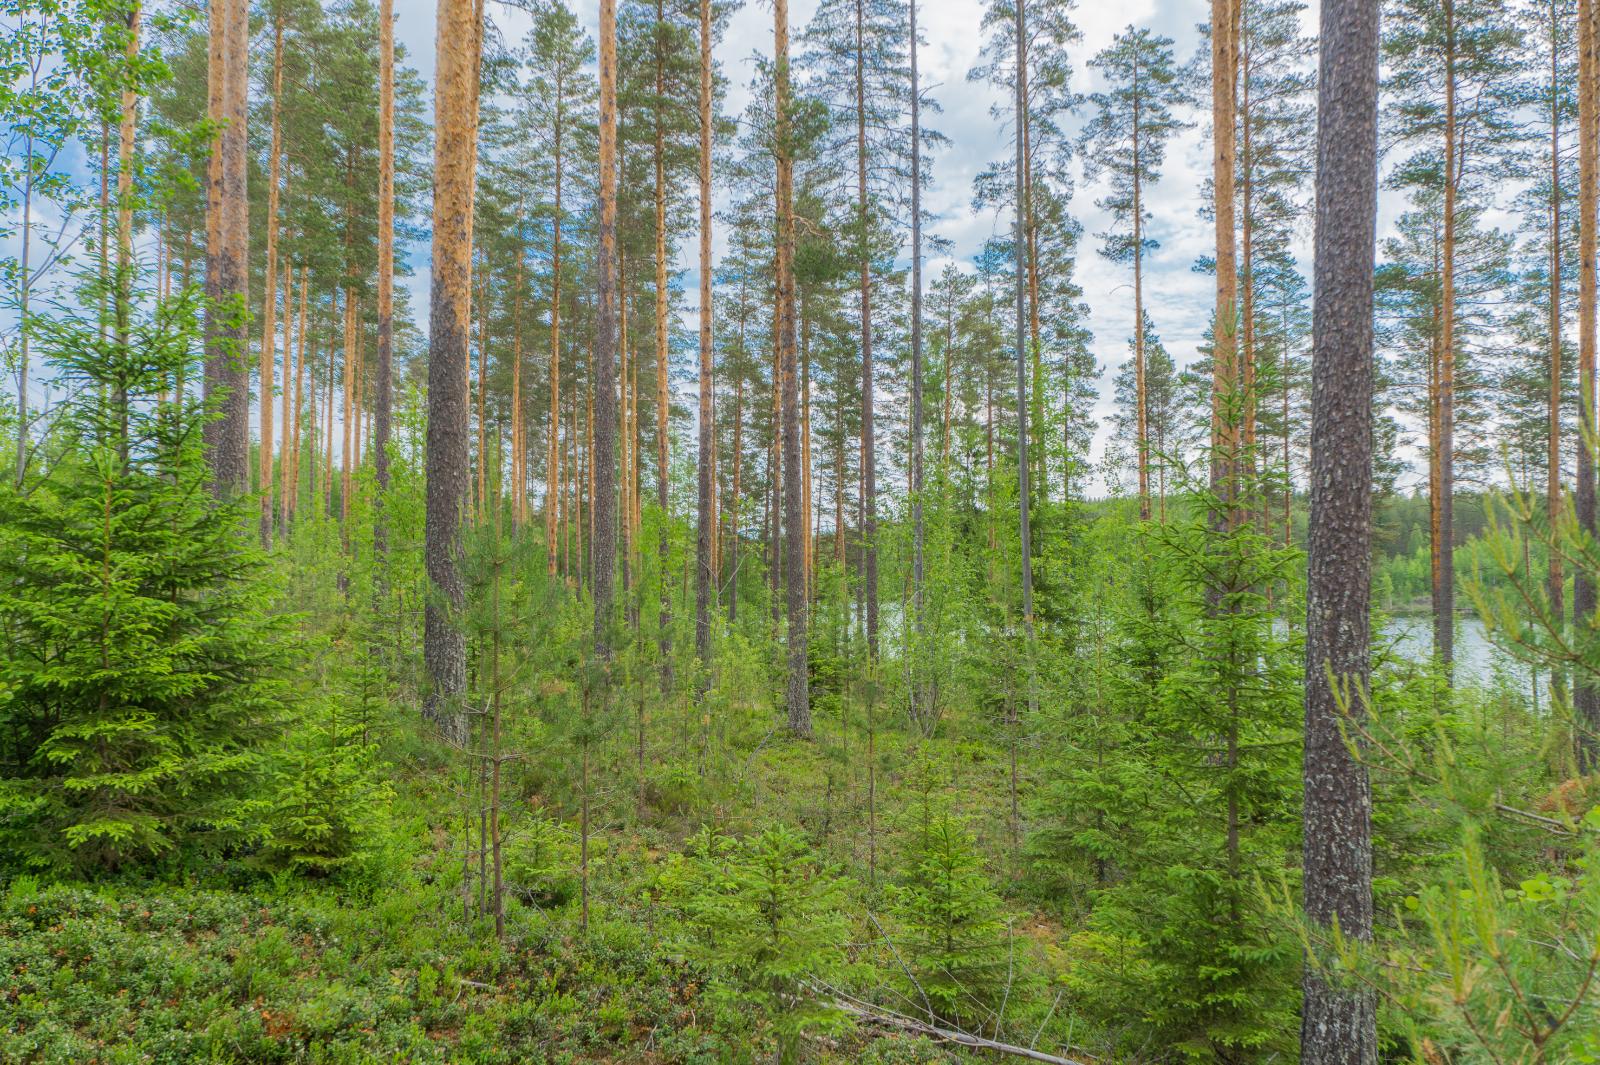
(1225, 397)
(1586, 697)
(1020, 251)
(705, 523)
(869, 444)
(383, 387)
(455, 134)
(1247, 287)
(227, 377)
(663, 407)
(127, 129)
(773, 522)
(554, 461)
(269, 302)
(603, 507)
(1444, 592)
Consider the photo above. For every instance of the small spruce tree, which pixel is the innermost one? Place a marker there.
(770, 917)
(140, 677)
(950, 931)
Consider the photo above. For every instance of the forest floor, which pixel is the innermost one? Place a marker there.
(227, 963)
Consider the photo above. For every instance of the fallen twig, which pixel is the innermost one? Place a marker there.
(887, 1019)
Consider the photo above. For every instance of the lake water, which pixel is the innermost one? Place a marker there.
(1478, 660)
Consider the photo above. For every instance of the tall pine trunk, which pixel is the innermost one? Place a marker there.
(663, 402)
(1225, 399)
(919, 708)
(869, 444)
(1553, 502)
(1586, 696)
(1141, 393)
(1338, 1025)
(603, 461)
(554, 460)
(447, 459)
(269, 302)
(1247, 252)
(352, 322)
(1019, 250)
(518, 443)
(704, 495)
(383, 387)
(1444, 591)
(227, 376)
(799, 692)
(291, 501)
(735, 526)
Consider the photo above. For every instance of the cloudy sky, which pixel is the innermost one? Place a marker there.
(1179, 298)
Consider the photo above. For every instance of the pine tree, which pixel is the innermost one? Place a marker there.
(1586, 696)
(855, 48)
(603, 505)
(1126, 140)
(797, 595)
(705, 486)
(1338, 1022)
(1443, 55)
(384, 384)
(1275, 146)
(1165, 441)
(1027, 51)
(455, 134)
(1227, 401)
(1549, 221)
(269, 299)
(227, 375)
(558, 101)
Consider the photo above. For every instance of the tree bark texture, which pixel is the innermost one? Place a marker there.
(447, 459)
(227, 374)
(1338, 1025)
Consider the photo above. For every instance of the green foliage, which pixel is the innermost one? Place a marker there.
(1490, 973)
(769, 917)
(327, 796)
(949, 927)
(542, 862)
(179, 974)
(142, 672)
(1173, 801)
